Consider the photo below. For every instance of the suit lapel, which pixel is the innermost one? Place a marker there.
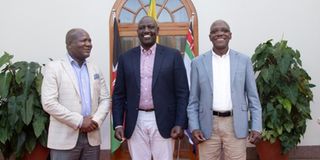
(233, 66)
(69, 70)
(157, 64)
(91, 73)
(136, 54)
(207, 61)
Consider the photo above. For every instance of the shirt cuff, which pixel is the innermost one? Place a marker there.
(118, 126)
(80, 123)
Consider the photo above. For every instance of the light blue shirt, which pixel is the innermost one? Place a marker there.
(82, 75)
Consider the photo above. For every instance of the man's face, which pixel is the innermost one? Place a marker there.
(220, 35)
(80, 45)
(147, 32)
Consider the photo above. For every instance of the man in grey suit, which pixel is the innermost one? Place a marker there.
(222, 93)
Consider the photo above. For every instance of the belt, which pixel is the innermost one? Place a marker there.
(146, 110)
(222, 114)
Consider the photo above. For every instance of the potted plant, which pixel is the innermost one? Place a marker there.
(285, 93)
(23, 123)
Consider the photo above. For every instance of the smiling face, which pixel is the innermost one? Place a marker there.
(78, 44)
(220, 36)
(147, 32)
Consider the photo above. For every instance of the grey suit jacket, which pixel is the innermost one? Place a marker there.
(244, 95)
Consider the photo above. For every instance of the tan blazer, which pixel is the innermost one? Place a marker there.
(60, 98)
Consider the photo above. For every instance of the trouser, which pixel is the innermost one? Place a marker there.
(82, 151)
(146, 141)
(223, 142)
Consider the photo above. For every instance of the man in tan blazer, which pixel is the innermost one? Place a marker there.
(74, 93)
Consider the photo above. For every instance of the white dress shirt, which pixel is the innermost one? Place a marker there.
(221, 82)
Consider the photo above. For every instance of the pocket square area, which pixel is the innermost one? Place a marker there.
(96, 76)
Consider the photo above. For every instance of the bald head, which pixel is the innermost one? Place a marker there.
(218, 22)
(73, 33)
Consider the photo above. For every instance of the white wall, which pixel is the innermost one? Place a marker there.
(34, 30)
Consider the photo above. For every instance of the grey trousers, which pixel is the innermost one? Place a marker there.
(82, 151)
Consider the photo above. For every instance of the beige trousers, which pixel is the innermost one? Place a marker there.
(223, 142)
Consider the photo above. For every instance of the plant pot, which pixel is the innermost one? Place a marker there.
(39, 153)
(267, 151)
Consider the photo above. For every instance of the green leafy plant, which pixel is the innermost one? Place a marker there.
(23, 123)
(285, 93)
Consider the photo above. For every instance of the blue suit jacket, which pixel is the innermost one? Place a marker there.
(244, 95)
(170, 90)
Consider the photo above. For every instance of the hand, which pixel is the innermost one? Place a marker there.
(254, 137)
(88, 124)
(177, 132)
(119, 134)
(197, 136)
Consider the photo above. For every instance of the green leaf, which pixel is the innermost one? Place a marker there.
(27, 110)
(12, 111)
(291, 92)
(43, 138)
(297, 57)
(5, 58)
(279, 130)
(20, 143)
(284, 63)
(286, 104)
(19, 125)
(266, 74)
(5, 80)
(288, 126)
(39, 125)
(38, 81)
(21, 71)
(3, 135)
(25, 75)
(30, 144)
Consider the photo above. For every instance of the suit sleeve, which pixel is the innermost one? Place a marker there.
(49, 98)
(104, 102)
(193, 106)
(181, 91)
(119, 95)
(253, 98)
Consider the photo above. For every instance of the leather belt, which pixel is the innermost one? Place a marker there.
(146, 110)
(222, 114)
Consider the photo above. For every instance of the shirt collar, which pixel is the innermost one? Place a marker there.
(72, 61)
(225, 55)
(147, 52)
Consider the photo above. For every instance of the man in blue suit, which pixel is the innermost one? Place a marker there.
(222, 93)
(150, 96)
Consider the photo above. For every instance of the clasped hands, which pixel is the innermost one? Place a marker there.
(88, 124)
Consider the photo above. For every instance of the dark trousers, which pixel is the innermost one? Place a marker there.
(82, 151)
